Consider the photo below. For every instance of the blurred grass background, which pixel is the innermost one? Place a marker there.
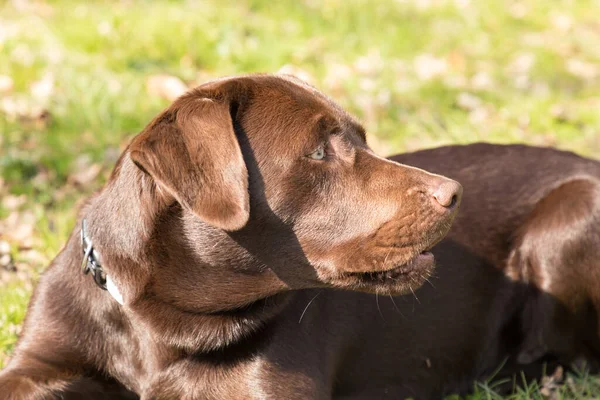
(78, 79)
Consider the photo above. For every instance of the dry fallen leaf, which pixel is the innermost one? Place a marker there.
(12, 202)
(85, 175)
(33, 257)
(370, 64)
(18, 227)
(5, 261)
(468, 101)
(25, 111)
(518, 10)
(337, 74)
(582, 69)
(299, 73)
(562, 22)
(479, 115)
(4, 247)
(550, 384)
(522, 63)
(428, 67)
(5, 276)
(6, 84)
(202, 77)
(482, 80)
(379, 146)
(559, 113)
(43, 88)
(165, 86)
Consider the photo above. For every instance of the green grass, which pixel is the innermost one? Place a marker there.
(13, 303)
(500, 70)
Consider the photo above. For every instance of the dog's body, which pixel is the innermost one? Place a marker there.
(232, 212)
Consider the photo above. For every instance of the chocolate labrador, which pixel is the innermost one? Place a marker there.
(220, 237)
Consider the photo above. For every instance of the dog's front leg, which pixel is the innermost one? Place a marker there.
(31, 380)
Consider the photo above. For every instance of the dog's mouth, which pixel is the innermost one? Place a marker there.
(399, 279)
(420, 263)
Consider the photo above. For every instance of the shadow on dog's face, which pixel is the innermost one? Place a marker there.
(279, 190)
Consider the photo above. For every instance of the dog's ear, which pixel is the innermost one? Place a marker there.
(192, 153)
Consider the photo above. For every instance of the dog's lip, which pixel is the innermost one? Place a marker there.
(421, 261)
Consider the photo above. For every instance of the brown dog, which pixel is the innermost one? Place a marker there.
(232, 212)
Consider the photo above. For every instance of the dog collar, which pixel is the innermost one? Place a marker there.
(91, 263)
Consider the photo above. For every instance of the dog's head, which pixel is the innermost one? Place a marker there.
(275, 188)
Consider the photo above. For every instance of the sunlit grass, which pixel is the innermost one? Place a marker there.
(13, 303)
(417, 73)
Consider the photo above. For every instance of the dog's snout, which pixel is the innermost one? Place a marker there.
(448, 194)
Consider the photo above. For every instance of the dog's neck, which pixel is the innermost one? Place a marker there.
(124, 221)
(120, 219)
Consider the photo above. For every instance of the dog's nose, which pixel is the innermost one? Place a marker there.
(448, 194)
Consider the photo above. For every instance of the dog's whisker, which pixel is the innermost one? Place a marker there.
(395, 306)
(308, 305)
(219, 242)
(386, 257)
(415, 295)
(428, 281)
(378, 309)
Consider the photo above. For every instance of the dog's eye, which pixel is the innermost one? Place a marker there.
(318, 154)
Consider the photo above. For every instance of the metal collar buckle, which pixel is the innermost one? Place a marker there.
(90, 262)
